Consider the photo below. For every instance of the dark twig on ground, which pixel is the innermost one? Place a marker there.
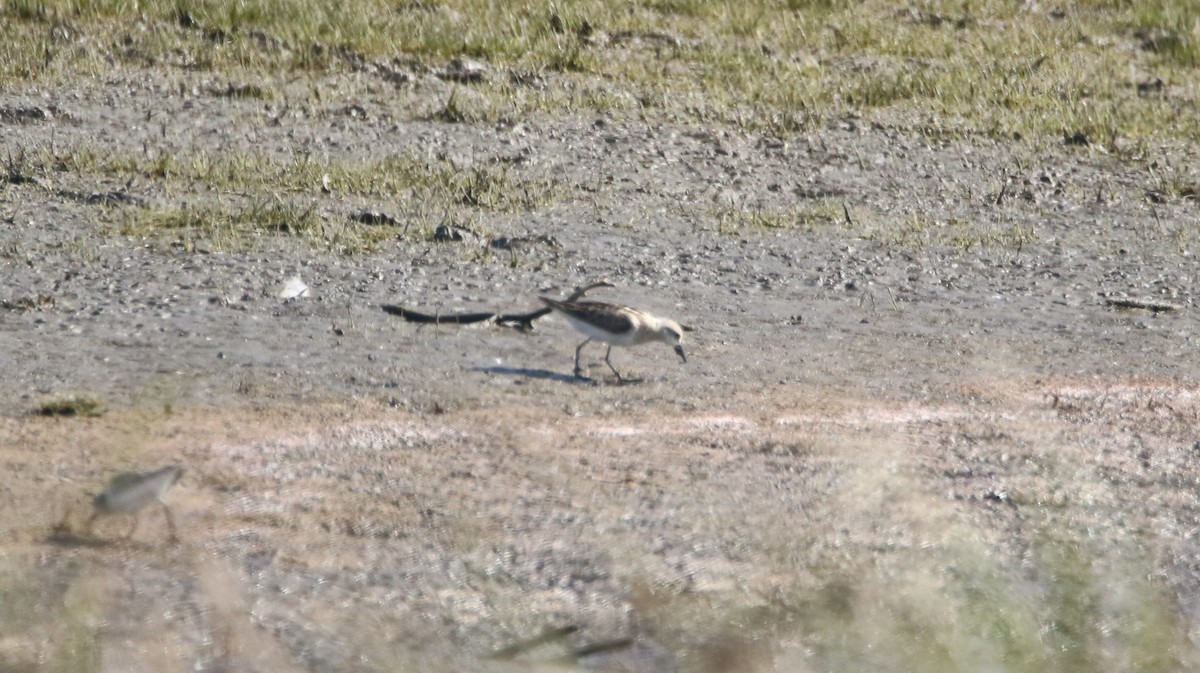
(521, 321)
(436, 318)
(546, 637)
(1144, 304)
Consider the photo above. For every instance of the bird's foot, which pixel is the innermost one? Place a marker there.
(622, 379)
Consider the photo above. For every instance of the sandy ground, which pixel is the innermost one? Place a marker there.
(866, 409)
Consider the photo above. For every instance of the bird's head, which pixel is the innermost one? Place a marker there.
(672, 333)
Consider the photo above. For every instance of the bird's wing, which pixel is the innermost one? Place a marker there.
(607, 317)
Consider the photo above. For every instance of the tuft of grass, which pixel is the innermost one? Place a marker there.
(254, 91)
(922, 231)
(808, 217)
(75, 405)
(1169, 29)
(231, 227)
(451, 112)
(16, 169)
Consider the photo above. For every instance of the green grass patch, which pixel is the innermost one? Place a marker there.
(236, 226)
(237, 197)
(997, 67)
(438, 183)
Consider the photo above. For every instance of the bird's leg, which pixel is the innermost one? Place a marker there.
(578, 369)
(170, 520)
(620, 379)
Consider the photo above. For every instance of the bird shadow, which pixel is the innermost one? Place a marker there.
(71, 540)
(547, 375)
(528, 373)
(63, 537)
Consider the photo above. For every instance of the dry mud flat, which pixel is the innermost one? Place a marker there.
(801, 533)
(903, 443)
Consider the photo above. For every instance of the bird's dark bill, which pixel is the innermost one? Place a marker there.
(679, 350)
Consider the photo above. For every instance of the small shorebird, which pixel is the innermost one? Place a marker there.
(616, 326)
(131, 492)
